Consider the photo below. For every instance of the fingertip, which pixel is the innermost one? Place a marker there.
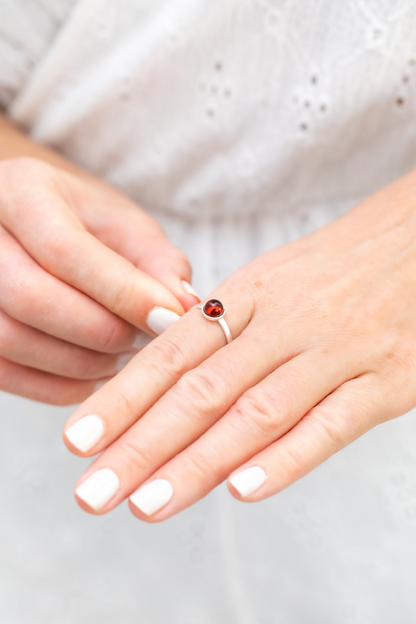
(85, 507)
(96, 492)
(153, 519)
(246, 482)
(188, 288)
(188, 296)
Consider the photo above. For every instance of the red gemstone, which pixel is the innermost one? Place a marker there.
(213, 308)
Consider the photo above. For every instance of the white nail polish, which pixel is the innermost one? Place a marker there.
(141, 341)
(188, 288)
(160, 319)
(99, 488)
(248, 481)
(124, 359)
(152, 496)
(85, 433)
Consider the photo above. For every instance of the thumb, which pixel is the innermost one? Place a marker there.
(127, 229)
(37, 207)
(158, 257)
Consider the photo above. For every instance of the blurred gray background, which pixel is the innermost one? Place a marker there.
(335, 548)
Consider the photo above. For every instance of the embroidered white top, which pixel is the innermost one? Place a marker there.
(240, 125)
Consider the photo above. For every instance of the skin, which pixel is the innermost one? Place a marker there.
(324, 342)
(81, 267)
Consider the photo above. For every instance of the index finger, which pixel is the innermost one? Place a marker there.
(43, 222)
(148, 376)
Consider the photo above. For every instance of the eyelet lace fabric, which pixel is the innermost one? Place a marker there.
(240, 125)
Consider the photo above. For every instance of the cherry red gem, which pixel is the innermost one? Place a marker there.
(213, 308)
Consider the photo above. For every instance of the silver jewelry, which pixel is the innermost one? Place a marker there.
(213, 310)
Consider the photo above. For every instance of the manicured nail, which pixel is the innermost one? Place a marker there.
(99, 488)
(124, 359)
(188, 288)
(152, 496)
(85, 433)
(160, 319)
(248, 481)
(141, 341)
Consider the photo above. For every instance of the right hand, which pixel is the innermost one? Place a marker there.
(82, 268)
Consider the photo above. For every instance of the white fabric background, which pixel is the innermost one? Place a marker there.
(240, 125)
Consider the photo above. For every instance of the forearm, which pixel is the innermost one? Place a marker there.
(14, 143)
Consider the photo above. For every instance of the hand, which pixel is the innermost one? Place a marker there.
(82, 268)
(324, 349)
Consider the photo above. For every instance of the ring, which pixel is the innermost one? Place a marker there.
(213, 310)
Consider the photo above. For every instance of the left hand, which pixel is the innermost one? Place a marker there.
(324, 349)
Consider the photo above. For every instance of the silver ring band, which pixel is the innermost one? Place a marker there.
(213, 310)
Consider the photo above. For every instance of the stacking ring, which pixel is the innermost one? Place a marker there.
(213, 310)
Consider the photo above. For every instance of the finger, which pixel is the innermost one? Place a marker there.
(34, 297)
(176, 420)
(128, 230)
(260, 416)
(159, 258)
(181, 417)
(139, 238)
(158, 368)
(43, 387)
(27, 346)
(345, 415)
(49, 230)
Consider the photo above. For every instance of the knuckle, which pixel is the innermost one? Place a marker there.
(57, 248)
(330, 428)
(168, 357)
(109, 337)
(135, 460)
(87, 365)
(205, 390)
(259, 409)
(203, 469)
(292, 464)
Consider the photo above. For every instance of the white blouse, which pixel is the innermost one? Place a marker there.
(240, 125)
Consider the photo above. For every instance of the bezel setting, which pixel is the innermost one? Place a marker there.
(213, 303)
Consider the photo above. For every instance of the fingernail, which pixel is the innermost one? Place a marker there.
(99, 488)
(152, 496)
(85, 433)
(124, 359)
(160, 319)
(141, 341)
(188, 288)
(248, 481)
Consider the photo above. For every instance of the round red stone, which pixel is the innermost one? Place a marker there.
(213, 308)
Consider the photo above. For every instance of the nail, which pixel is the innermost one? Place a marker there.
(152, 496)
(85, 433)
(188, 288)
(160, 319)
(248, 481)
(99, 488)
(141, 341)
(124, 359)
